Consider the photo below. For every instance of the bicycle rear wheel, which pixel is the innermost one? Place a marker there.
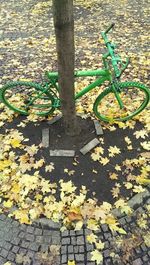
(27, 97)
(135, 97)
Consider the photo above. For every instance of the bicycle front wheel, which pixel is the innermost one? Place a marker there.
(134, 96)
(27, 97)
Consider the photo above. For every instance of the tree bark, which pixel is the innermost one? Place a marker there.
(64, 31)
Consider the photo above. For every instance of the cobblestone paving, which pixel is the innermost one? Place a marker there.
(31, 241)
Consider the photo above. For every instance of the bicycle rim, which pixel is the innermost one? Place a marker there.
(135, 97)
(26, 98)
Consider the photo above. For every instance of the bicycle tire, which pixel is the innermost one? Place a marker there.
(12, 99)
(127, 115)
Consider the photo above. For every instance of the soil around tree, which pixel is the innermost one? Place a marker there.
(82, 170)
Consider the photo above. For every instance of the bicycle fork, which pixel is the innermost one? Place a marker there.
(114, 89)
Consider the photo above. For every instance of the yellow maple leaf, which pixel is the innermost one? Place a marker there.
(146, 145)
(8, 204)
(123, 206)
(39, 163)
(22, 216)
(49, 168)
(92, 224)
(71, 262)
(91, 238)
(117, 167)
(4, 164)
(128, 185)
(15, 143)
(96, 256)
(67, 186)
(138, 188)
(113, 176)
(113, 150)
(99, 244)
(104, 161)
(95, 157)
(141, 133)
(78, 225)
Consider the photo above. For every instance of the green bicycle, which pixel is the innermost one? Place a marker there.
(120, 101)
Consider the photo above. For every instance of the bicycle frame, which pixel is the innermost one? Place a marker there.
(102, 74)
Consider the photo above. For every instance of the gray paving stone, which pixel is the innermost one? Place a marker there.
(34, 246)
(55, 119)
(64, 258)
(104, 228)
(79, 257)
(87, 231)
(36, 262)
(4, 253)
(80, 232)
(2, 243)
(122, 221)
(55, 240)
(143, 247)
(88, 256)
(15, 249)
(88, 147)
(76, 249)
(80, 240)
(138, 198)
(138, 262)
(7, 246)
(16, 241)
(89, 247)
(47, 239)
(145, 258)
(109, 262)
(25, 244)
(107, 235)
(2, 261)
(81, 249)
(22, 251)
(63, 249)
(16, 223)
(47, 232)
(67, 153)
(138, 250)
(30, 229)
(44, 248)
(73, 240)
(39, 239)
(23, 227)
(98, 127)
(30, 237)
(11, 256)
(128, 219)
(2, 217)
(38, 232)
(70, 249)
(45, 137)
(70, 256)
(106, 253)
(22, 234)
(65, 241)
(72, 233)
(30, 253)
(65, 233)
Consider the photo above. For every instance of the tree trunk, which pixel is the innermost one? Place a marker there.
(64, 30)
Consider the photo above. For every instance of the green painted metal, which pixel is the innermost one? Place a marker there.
(48, 92)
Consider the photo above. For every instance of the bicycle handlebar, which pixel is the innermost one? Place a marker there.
(115, 59)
